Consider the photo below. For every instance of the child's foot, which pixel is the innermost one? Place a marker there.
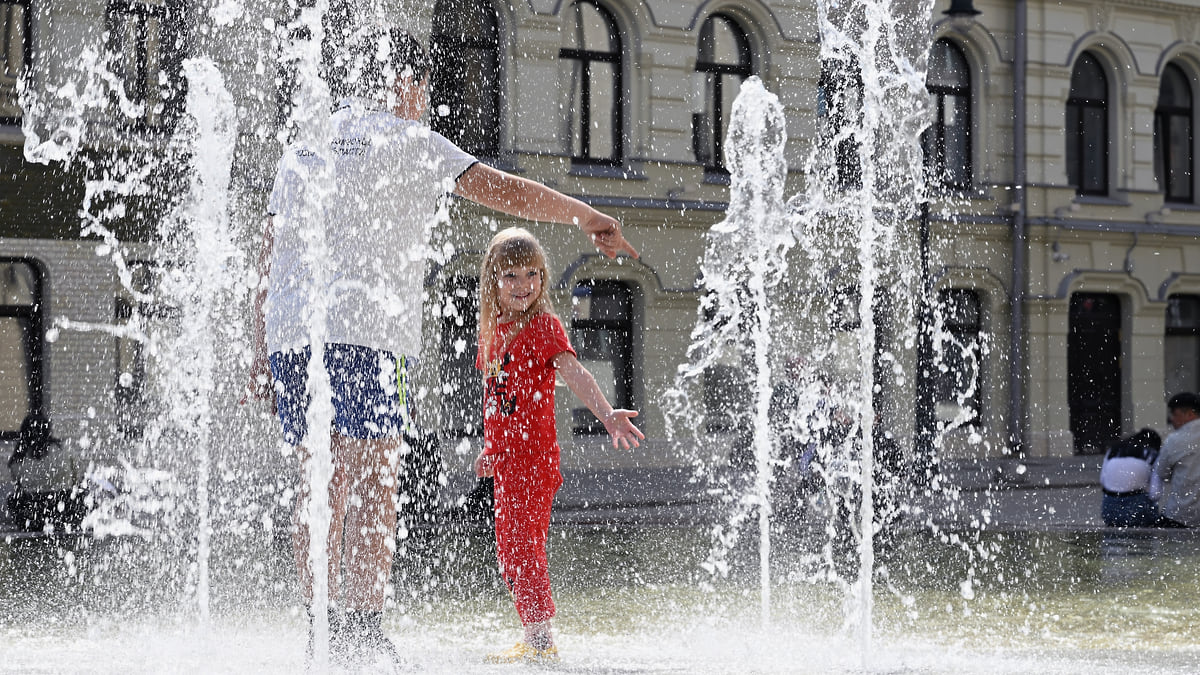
(524, 653)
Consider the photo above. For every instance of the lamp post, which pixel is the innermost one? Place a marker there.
(962, 8)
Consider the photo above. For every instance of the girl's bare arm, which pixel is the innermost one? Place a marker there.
(618, 422)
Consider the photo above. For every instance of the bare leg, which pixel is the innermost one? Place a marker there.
(370, 536)
(338, 494)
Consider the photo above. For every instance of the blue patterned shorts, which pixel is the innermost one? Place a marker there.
(369, 389)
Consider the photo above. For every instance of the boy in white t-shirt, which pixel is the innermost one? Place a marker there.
(378, 185)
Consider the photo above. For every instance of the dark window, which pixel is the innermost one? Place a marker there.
(722, 63)
(948, 140)
(957, 359)
(839, 112)
(288, 72)
(1094, 370)
(148, 42)
(843, 308)
(465, 86)
(1173, 162)
(461, 383)
(593, 55)
(1087, 128)
(16, 54)
(728, 398)
(602, 334)
(136, 309)
(1181, 345)
(21, 334)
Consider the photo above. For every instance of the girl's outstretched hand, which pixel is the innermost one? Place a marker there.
(485, 466)
(619, 425)
(616, 422)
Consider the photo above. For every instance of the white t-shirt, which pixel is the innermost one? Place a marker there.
(380, 186)
(1125, 474)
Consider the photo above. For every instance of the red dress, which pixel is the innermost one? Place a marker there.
(519, 430)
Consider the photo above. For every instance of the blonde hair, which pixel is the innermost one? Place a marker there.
(511, 247)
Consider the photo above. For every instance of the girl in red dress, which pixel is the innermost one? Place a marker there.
(522, 346)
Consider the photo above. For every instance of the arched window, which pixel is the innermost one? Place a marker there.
(465, 87)
(1173, 161)
(593, 52)
(948, 140)
(16, 24)
(1087, 128)
(723, 61)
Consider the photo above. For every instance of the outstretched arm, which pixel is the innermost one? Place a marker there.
(531, 200)
(617, 422)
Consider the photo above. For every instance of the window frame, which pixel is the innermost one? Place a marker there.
(130, 402)
(839, 87)
(1075, 137)
(936, 162)
(35, 336)
(581, 129)
(172, 39)
(1163, 116)
(624, 395)
(26, 52)
(962, 334)
(1184, 331)
(455, 48)
(708, 127)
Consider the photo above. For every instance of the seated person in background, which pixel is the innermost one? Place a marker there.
(1178, 465)
(1125, 479)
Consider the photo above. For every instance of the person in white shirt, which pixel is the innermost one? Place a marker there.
(1125, 480)
(1178, 465)
(378, 188)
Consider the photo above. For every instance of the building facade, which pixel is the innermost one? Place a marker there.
(1062, 250)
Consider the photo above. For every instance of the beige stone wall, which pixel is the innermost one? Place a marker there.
(1126, 243)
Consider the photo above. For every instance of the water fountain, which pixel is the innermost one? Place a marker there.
(865, 180)
(186, 592)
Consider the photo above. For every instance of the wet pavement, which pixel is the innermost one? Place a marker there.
(1034, 494)
(1033, 584)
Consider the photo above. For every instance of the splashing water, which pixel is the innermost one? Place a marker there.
(864, 182)
(312, 103)
(883, 46)
(210, 261)
(744, 258)
(837, 255)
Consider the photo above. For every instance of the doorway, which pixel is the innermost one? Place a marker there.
(1094, 370)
